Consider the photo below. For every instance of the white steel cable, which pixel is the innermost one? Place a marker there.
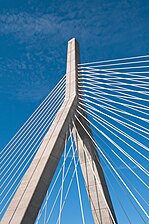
(108, 77)
(119, 91)
(40, 138)
(100, 93)
(98, 80)
(105, 99)
(31, 117)
(124, 112)
(62, 183)
(109, 73)
(29, 139)
(117, 59)
(113, 82)
(111, 111)
(43, 207)
(122, 63)
(10, 197)
(144, 72)
(40, 115)
(129, 137)
(111, 76)
(77, 178)
(51, 189)
(123, 68)
(115, 170)
(117, 146)
(58, 195)
(17, 184)
(101, 98)
(117, 84)
(117, 166)
(110, 213)
(68, 189)
(47, 107)
(120, 203)
(91, 113)
(116, 179)
(45, 128)
(46, 115)
(96, 86)
(115, 119)
(18, 174)
(126, 68)
(130, 170)
(127, 165)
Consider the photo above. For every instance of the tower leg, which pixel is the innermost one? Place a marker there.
(93, 176)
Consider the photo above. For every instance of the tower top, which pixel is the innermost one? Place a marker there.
(73, 58)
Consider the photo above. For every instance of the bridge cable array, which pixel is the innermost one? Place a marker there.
(20, 151)
(115, 96)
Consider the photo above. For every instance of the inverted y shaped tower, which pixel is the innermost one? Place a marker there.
(28, 199)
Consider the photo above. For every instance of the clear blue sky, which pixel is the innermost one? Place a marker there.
(33, 42)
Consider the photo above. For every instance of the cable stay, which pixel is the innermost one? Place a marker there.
(117, 59)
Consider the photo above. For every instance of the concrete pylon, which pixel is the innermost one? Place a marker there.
(28, 199)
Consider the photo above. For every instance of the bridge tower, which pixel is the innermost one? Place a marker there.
(28, 199)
